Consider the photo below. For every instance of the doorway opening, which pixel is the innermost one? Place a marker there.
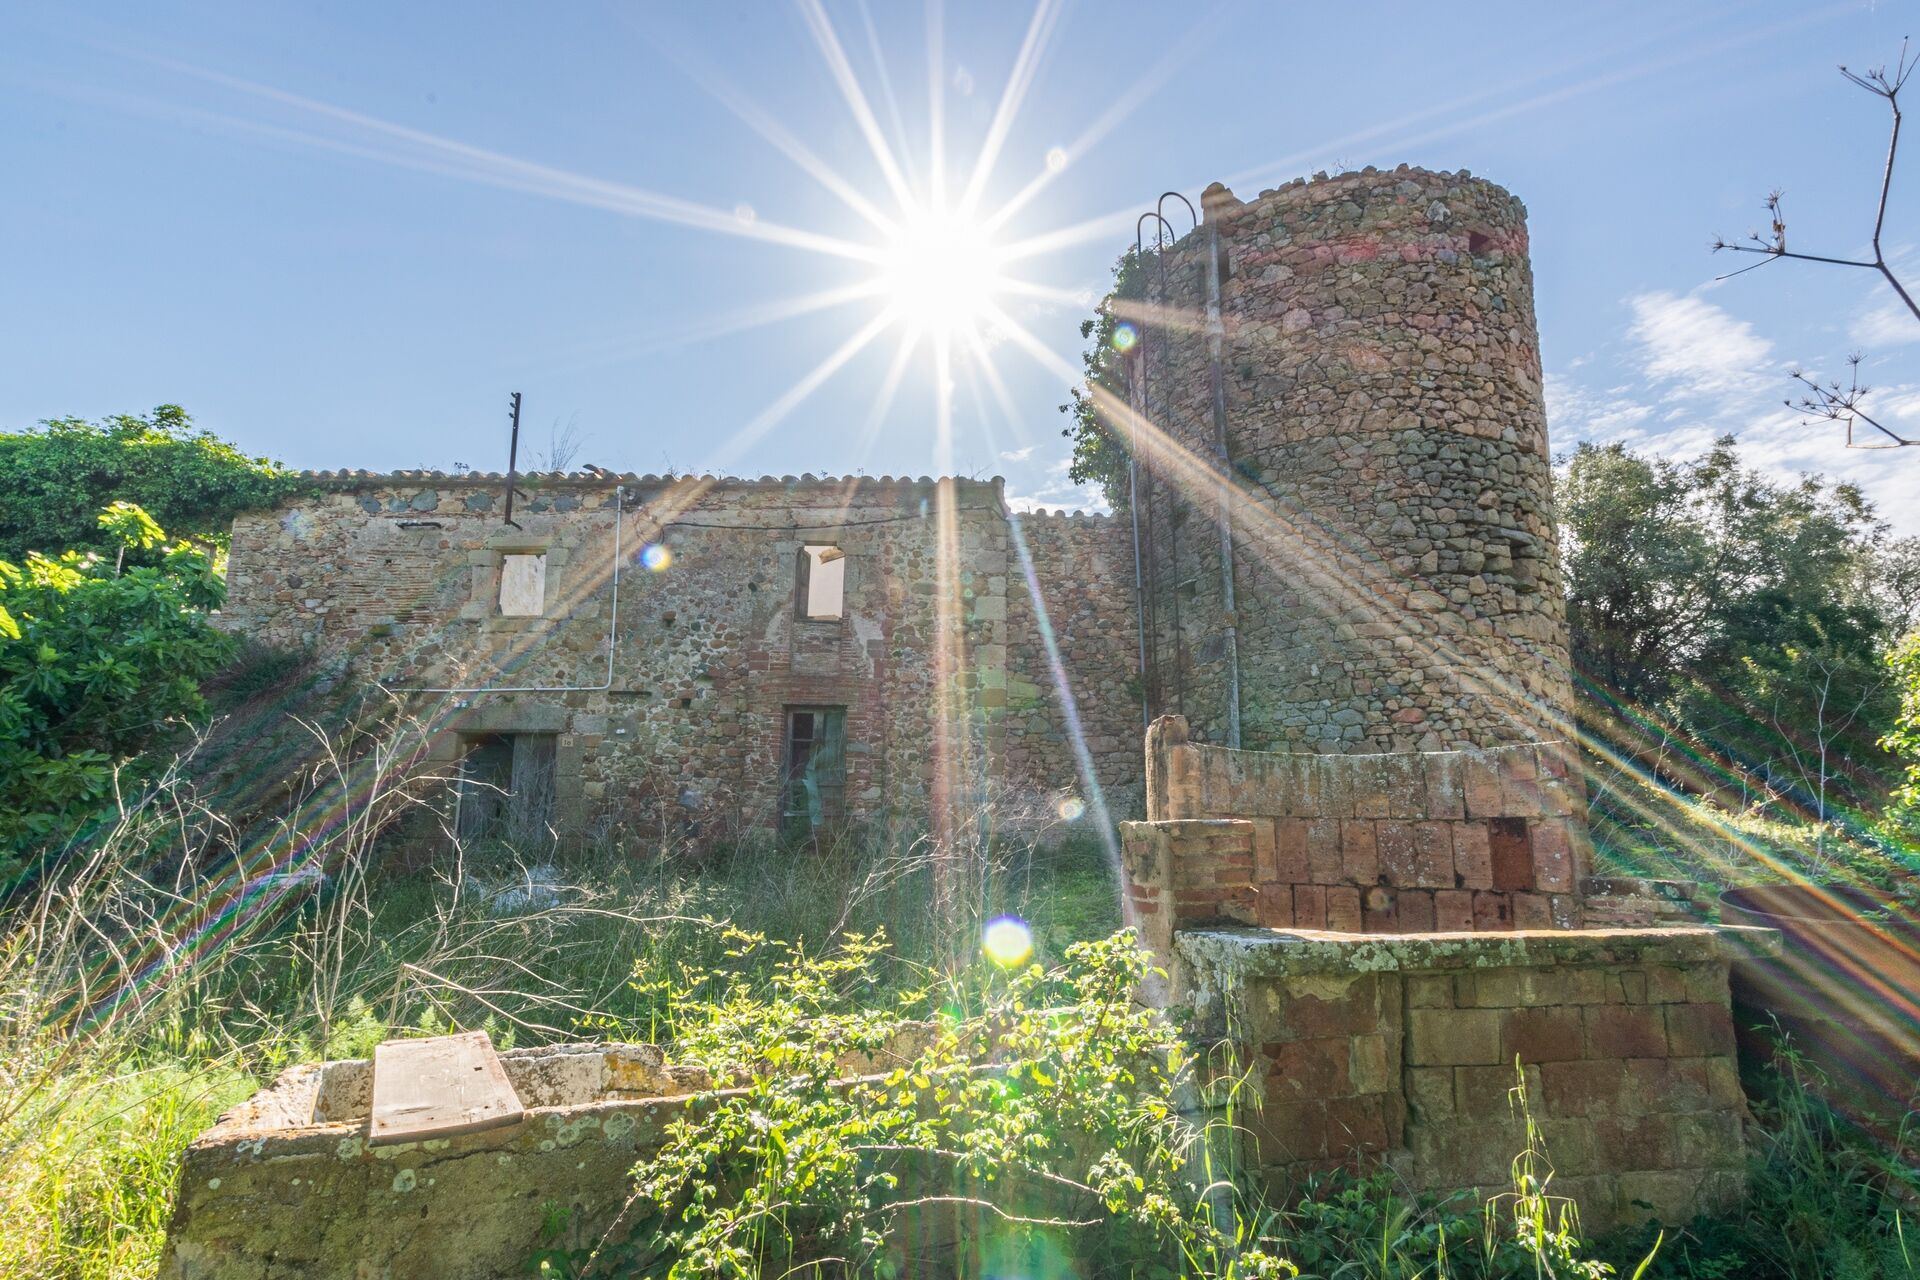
(506, 789)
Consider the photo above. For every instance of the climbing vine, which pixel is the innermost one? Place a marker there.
(1099, 435)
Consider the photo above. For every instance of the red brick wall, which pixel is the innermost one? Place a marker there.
(1407, 842)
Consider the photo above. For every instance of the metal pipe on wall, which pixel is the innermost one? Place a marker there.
(1216, 334)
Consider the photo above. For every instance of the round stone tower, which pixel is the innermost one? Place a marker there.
(1347, 509)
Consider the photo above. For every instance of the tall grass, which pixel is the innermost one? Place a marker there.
(133, 1009)
(131, 1014)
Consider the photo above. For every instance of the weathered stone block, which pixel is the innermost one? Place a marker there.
(1430, 1094)
(1344, 914)
(1285, 1130)
(1453, 911)
(1549, 1034)
(1356, 1125)
(1290, 850)
(1510, 851)
(1486, 1094)
(1553, 869)
(1433, 856)
(1359, 852)
(1370, 1067)
(1587, 1087)
(1625, 1031)
(1699, 1030)
(1330, 1006)
(1452, 1037)
(1446, 785)
(1309, 1068)
(1472, 856)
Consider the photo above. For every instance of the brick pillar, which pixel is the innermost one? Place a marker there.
(1181, 874)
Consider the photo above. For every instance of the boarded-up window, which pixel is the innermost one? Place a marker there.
(507, 788)
(816, 767)
(523, 586)
(823, 582)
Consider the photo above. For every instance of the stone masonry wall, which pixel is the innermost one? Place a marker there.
(1410, 842)
(1081, 617)
(1409, 1050)
(1395, 565)
(671, 715)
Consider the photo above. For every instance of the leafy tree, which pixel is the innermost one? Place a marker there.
(1100, 443)
(99, 661)
(1903, 738)
(1749, 613)
(58, 477)
(1637, 566)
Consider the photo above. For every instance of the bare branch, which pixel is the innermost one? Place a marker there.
(1833, 403)
(1830, 402)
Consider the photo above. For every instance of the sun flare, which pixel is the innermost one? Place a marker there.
(941, 273)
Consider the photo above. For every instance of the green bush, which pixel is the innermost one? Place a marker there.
(59, 475)
(98, 664)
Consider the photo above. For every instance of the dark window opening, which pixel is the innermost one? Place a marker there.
(1478, 243)
(815, 775)
(506, 789)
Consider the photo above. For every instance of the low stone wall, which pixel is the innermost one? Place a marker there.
(286, 1184)
(1407, 1050)
(1407, 842)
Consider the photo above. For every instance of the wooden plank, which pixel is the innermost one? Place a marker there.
(439, 1087)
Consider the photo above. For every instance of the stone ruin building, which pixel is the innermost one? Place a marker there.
(1346, 546)
(1356, 835)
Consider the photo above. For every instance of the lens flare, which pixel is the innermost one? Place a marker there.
(1007, 941)
(656, 557)
(1070, 808)
(941, 272)
(1124, 336)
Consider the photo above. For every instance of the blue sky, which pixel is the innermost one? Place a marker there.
(340, 234)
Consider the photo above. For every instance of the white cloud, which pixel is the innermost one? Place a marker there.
(1897, 404)
(1695, 346)
(1017, 455)
(1057, 493)
(1887, 325)
(1576, 412)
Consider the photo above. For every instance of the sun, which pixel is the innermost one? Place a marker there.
(940, 272)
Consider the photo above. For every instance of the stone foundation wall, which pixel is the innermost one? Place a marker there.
(1408, 1050)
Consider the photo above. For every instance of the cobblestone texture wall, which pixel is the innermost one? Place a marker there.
(1409, 842)
(671, 716)
(1395, 567)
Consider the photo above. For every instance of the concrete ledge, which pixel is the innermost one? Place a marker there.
(1256, 953)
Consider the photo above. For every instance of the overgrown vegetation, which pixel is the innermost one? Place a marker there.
(1097, 412)
(1735, 639)
(58, 475)
(1750, 699)
(99, 663)
(123, 1032)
